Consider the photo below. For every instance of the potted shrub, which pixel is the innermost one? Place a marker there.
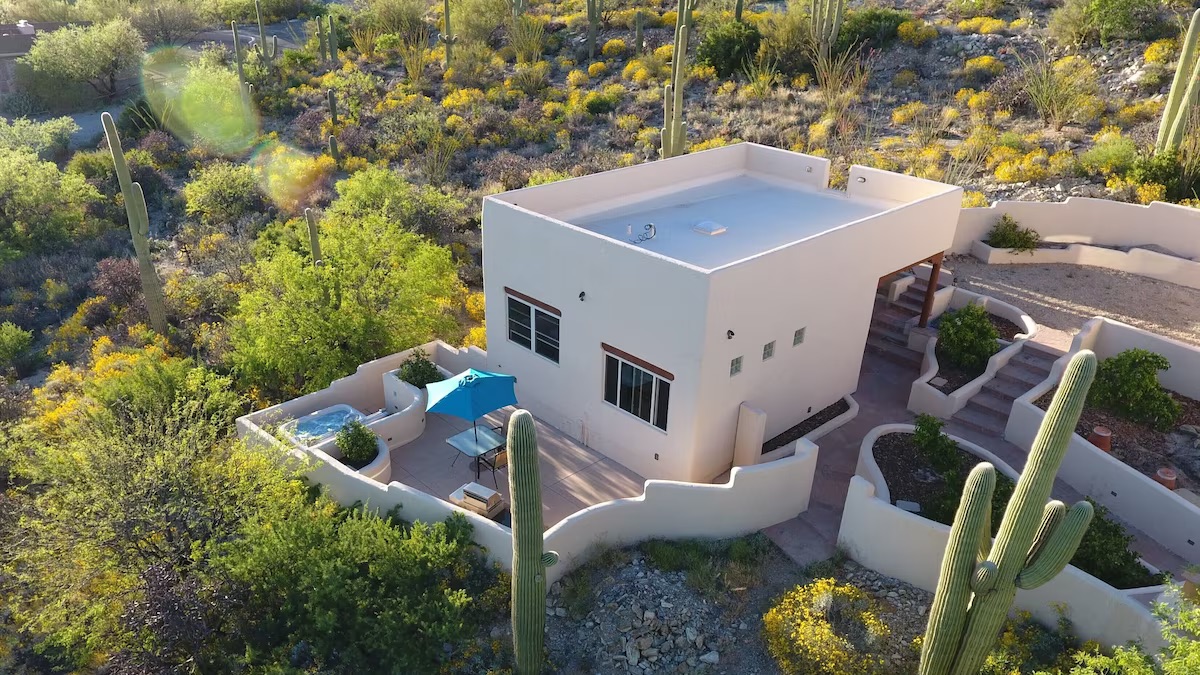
(359, 445)
(966, 340)
(419, 371)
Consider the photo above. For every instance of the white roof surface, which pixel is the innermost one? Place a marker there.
(758, 213)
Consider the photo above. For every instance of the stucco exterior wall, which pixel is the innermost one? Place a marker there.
(642, 304)
(754, 497)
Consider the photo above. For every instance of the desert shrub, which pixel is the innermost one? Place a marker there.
(118, 280)
(96, 55)
(1166, 169)
(984, 25)
(916, 33)
(222, 11)
(48, 139)
(1061, 91)
(419, 371)
(676, 556)
(1026, 646)
(972, 8)
(421, 209)
(1160, 51)
(1079, 21)
(785, 38)
(222, 193)
(825, 628)
(14, 342)
(613, 48)
(966, 338)
(982, 68)
(40, 206)
(1008, 233)
(480, 20)
(973, 199)
(870, 27)
(1180, 625)
(1113, 154)
(357, 444)
(577, 78)
(597, 69)
(1127, 385)
(1105, 553)
(728, 47)
(934, 446)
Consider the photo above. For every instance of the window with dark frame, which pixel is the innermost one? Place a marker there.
(636, 390)
(533, 328)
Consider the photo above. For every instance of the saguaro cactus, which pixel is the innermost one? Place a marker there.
(314, 236)
(331, 97)
(334, 152)
(237, 55)
(321, 41)
(737, 10)
(333, 39)
(529, 560)
(674, 133)
(139, 228)
(1036, 540)
(449, 39)
(267, 55)
(594, 9)
(826, 20)
(639, 40)
(1185, 91)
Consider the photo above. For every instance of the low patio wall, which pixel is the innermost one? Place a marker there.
(1082, 220)
(1171, 520)
(754, 497)
(909, 547)
(1138, 261)
(925, 398)
(814, 435)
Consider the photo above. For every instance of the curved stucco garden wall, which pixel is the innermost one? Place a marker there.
(753, 498)
(909, 547)
(1171, 520)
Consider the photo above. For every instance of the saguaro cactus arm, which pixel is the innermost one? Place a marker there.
(674, 133)
(139, 227)
(529, 559)
(1185, 90)
(826, 21)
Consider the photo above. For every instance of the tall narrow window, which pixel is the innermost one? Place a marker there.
(798, 337)
(735, 366)
(768, 350)
(637, 390)
(533, 325)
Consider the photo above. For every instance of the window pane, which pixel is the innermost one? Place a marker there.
(519, 326)
(645, 395)
(768, 350)
(611, 368)
(626, 387)
(547, 349)
(798, 337)
(664, 398)
(547, 335)
(735, 366)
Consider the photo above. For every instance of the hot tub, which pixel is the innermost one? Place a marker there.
(314, 428)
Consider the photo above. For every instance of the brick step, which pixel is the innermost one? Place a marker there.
(910, 303)
(1021, 376)
(1007, 389)
(998, 404)
(1029, 366)
(894, 352)
(1039, 355)
(889, 333)
(981, 419)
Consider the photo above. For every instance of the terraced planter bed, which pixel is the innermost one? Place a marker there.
(807, 426)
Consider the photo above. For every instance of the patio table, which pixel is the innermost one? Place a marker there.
(477, 447)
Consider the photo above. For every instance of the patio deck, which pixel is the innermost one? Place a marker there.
(573, 475)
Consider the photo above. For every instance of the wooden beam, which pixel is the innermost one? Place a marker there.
(931, 288)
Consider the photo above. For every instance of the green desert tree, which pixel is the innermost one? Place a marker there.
(40, 206)
(96, 55)
(417, 208)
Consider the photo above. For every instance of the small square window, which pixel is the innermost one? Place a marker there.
(798, 337)
(768, 350)
(735, 366)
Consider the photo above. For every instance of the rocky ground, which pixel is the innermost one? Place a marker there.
(635, 618)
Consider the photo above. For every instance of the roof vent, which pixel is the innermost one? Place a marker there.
(708, 227)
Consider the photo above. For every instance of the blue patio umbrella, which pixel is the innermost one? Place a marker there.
(471, 395)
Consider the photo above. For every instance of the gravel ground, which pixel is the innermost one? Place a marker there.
(1063, 297)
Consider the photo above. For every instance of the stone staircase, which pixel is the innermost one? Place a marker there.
(913, 298)
(887, 338)
(988, 410)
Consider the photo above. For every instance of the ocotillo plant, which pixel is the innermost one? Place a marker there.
(139, 228)
(674, 133)
(267, 55)
(332, 99)
(826, 20)
(594, 9)
(448, 37)
(529, 561)
(1185, 91)
(1036, 540)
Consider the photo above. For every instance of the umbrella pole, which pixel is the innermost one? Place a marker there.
(476, 428)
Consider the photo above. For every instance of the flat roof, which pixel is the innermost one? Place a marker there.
(724, 218)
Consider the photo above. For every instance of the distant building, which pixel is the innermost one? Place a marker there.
(15, 41)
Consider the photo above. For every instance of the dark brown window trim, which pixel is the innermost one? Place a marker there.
(536, 303)
(640, 363)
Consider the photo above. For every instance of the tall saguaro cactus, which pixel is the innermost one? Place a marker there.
(529, 560)
(1185, 91)
(139, 228)
(826, 20)
(237, 55)
(314, 236)
(1036, 540)
(448, 37)
(674, 133)
(267, 55)
(333, 39)
(594, 9)
(639, 40)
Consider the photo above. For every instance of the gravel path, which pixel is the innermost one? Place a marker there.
(1063, 297)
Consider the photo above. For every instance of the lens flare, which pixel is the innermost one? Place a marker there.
(200, 102)
(288, 175)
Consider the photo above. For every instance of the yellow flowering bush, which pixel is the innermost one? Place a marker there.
(1032, 166)
(665, 52)
(984, 25)
(1160, 51)
(476, 337)
(804, 80)
(1019, 24)
(1151, 192)
(904, 78)
(915, 32)
(474, 304)
(597, 69)
(981, 101)
(577, 78)
(1142, 111)
(463, 99)
(704, 73)
(974, 200)
(824, 628)
(717, 142)
(614, 47)
(983, 67)
(963, 95)
(908, 112)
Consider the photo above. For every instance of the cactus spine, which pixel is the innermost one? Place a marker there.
(529, 561)
(826, 20)
(594, 9)
(674, 133)
(139, 228)
(267, 55)
(448, 37)
(1185, 91)
(1035, 542)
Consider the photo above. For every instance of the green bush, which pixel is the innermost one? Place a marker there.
(1166, 169)
(967, 339)
(419, 371)
(97, 55)
(48, 139)
(1026, 646)
(785, 40)
(1105, 553)
(357, 444)
(222, 193)
(1007, 233)
(1127, 385)
(14, 342)
(676, 556)
(1080, 21)
(936, 447)
(728, 47)
(600, 103)
(1111, 156)
(40, 207)
(871, 27)
(1180, 625)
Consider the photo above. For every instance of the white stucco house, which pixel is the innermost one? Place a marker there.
(639, 308)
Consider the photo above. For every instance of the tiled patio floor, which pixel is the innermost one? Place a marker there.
(573, 475)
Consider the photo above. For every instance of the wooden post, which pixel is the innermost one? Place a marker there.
(927, 308)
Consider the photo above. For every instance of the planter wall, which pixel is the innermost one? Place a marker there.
(1138, 261)
(814, 435)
